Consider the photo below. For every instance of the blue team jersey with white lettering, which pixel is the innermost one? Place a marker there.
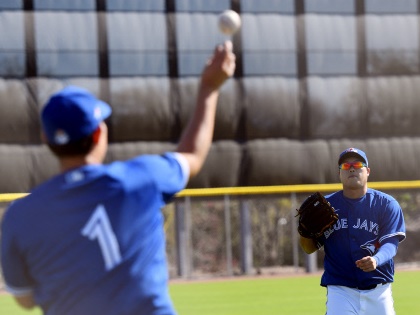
(363, 225)
(91, 241)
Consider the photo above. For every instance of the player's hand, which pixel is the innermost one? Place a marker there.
(367, 264)
(219, 67)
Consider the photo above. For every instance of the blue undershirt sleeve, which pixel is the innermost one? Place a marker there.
(386, 252)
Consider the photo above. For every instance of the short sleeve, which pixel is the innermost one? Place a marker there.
(393, 224)
(169, 172)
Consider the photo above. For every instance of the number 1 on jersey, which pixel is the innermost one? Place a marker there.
(98, 227)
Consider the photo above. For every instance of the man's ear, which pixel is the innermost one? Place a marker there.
(96, 135)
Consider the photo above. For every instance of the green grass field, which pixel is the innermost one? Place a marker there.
(268, 296)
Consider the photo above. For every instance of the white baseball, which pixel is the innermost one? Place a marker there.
(229, 22)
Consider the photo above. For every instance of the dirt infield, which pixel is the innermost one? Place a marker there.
(270, 272)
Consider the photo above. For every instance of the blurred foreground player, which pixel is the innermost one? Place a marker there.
(360, 247)
(90, 240)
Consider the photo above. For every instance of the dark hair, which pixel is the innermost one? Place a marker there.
(78, 147)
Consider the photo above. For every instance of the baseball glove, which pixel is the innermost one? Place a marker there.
(315, 216)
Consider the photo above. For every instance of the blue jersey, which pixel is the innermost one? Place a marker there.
(91, 240)
(363, 225)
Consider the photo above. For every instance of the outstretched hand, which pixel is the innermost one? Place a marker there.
(219, 67)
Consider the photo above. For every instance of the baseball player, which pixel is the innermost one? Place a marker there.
(359, 248)
(90, 240)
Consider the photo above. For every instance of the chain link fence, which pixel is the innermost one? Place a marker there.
(214, 238)
(230, 235)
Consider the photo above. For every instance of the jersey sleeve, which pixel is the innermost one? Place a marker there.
(173, 176)
(14, 269)
(393, 224)
(169, 172)
(319, 242)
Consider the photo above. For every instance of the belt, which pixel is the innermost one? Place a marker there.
(371, 287)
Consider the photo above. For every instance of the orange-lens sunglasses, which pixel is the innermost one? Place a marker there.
(356, 165)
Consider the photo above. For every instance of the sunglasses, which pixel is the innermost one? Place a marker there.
(348, 165)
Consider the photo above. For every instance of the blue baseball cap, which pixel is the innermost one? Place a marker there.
(72, 114)
(353, 152)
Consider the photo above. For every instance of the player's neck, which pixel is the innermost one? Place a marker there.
(73, 162)
(95, 156)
